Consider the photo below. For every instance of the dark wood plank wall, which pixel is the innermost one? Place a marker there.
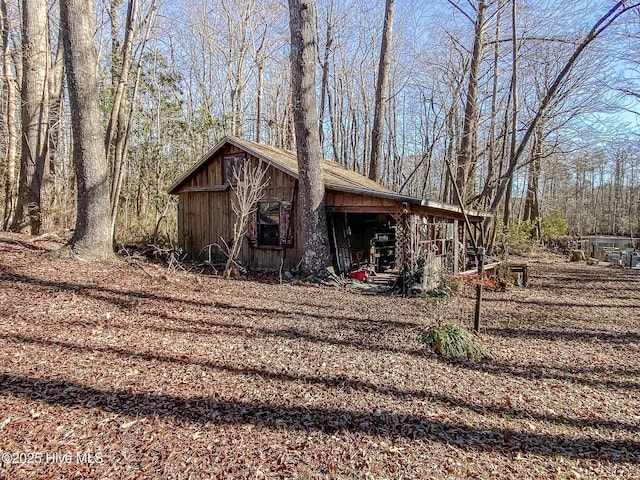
(353, 203)
(205, 216)
(282, 188)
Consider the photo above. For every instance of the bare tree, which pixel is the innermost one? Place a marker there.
(604, 22)
(250, 183)
(125, 78)
(238, 51)
(514, 111)
(192, 91)
(324, 62)
(35, 116)
(492, 145)
(12, 131)
(53, 192)
(381, 92)
(92, 237)
(241, 88)
(312, 208)
(532, 201)
(468, 143)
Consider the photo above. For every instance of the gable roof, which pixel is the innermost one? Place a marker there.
(336, 177)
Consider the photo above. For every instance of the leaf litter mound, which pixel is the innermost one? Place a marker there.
(123, 370)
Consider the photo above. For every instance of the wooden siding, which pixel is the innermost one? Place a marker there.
(205, 215)
(352, 203)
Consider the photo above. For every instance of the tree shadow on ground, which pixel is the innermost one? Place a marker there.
(127, 299)
(592, 278)
(340, 382)
(571, 336)
(276, 416)
(27, 245)
(585, 303)
(535, 371)
(310, 419)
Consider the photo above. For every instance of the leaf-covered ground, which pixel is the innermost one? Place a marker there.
(131, 371)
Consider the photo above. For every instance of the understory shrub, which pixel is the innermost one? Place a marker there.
(554, 224)
(451, 340)
(446, 288)
(517, 235)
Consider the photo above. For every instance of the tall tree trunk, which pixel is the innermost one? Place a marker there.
(12, 135)
(126, 87)
(259, 61)
(35, 116)
(485, 195)
(506, 216)
(468, 150)
(56, 117)
(381, 92)
(121, 68)
(316, 255)
(259, 103)
(531, 205)
(452, 124)
(92, 237)
(331, 103)
(324, 85)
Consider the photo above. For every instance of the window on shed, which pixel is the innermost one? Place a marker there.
(270, 225)
(229, 164)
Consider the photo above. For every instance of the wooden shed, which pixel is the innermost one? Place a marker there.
(367, 222)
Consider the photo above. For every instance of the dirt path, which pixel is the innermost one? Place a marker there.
(122, 371)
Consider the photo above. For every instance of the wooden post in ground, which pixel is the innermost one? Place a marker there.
(479, 249)
(479, 287)
(456, 248)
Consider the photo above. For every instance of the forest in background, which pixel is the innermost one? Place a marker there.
(466, 79)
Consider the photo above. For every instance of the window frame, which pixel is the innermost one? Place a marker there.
(262, 225)
(285, 225)
(229, 161)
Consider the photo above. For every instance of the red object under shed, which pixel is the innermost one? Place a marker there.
(360, 275)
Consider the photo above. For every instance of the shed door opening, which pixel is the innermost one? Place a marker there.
(359, 239)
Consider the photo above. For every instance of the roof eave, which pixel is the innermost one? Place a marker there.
(260, 156)
(374, 193)
(423, 202)
(453, 208)
(175, 186)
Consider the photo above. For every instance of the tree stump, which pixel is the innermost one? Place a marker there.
(577, 256)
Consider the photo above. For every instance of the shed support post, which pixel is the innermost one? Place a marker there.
(456, 248)
(479, 287)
